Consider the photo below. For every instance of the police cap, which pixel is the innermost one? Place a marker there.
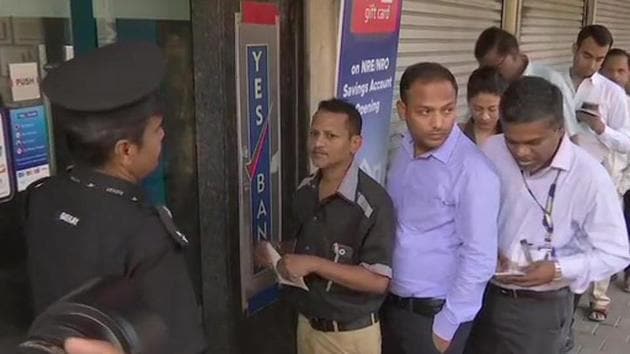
(110, 77)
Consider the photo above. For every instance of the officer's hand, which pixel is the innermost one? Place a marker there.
(537, 273)
(261, 256)
(294, 266)
(89, 346)
(440, 344)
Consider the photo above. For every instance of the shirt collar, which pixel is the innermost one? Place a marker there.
(443, 153)
(349, 185)
(564, 155)
(528, 69)
(594, 79)
(94, 179)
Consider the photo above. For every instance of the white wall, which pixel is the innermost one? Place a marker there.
(143, 9)
(136, 9)
(35, 8)
(322, 30)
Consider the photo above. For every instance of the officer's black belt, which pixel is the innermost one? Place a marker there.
(425, 306)
(530, 294)
(336, 326)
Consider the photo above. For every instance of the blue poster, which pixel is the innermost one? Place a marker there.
(366, 73)
(259, 168)
(29, 135)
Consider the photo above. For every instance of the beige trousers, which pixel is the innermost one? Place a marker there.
(362, 341)
(598, 296)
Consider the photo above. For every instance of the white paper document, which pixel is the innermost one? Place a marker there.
(275, 258)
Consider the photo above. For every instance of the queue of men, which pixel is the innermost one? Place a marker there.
(478, 242)
(484, 234)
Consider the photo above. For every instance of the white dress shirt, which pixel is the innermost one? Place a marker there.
(618, 165)
(613, 109)
(590, 238)
(555, 77)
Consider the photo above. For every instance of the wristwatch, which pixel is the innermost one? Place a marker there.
(557, 276)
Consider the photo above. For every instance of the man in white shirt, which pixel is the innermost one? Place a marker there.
(604, 126)
(616, 68)
(499, 49)
(600, 123)
(553, 241)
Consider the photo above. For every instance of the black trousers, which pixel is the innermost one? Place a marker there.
(405, 332)
(507, 325)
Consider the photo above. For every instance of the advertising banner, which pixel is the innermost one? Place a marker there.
(366, 73)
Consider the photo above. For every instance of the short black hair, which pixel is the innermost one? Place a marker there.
(336, 105)
(486, 80)
(425, 72)
(92, 136)
(495, 38)
(531, 99)
(600, 34)
(617, 52)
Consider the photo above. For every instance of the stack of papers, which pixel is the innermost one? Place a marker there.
(275, 258)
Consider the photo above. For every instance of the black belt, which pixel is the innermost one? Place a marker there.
(530, 294)
(425, 306)
(323, 325)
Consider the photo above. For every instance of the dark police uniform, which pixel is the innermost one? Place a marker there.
(355, 226)
(85, 224)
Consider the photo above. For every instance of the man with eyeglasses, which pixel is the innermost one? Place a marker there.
(560, 226)
(498, 48)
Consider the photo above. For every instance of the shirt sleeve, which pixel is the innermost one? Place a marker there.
(568, 105)
(376, 251)
(605, 232)
(616, 135)
(476, 218)
(147, 246)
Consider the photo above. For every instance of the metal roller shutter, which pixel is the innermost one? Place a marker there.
(615, 14)
(442, 31)
(549, 28)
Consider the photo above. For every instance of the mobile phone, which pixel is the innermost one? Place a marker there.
(586, 111)
(513, 273)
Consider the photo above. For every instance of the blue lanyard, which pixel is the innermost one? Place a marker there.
(547, 210)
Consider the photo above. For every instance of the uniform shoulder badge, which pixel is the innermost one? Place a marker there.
(166, 217)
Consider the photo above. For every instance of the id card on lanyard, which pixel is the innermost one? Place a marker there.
(547, 219)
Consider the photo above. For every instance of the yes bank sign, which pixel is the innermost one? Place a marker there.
(260, 202)
(259, 166)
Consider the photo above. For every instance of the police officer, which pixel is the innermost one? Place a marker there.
(95, 220)
(344, 241)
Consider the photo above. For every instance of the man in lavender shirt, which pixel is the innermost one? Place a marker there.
(446, 196)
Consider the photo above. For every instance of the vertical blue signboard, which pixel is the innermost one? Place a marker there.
(366, 73)
(29, 135)
(259, 168)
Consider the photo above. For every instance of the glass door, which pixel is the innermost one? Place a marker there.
(166, 23)
(34, 35)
